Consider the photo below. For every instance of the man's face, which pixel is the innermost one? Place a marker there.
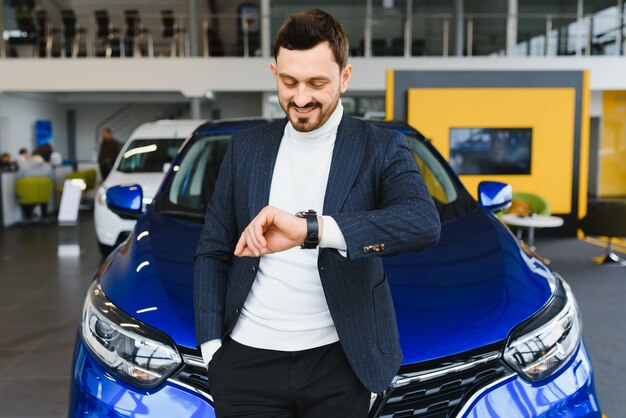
(106, 135)
(309, 85)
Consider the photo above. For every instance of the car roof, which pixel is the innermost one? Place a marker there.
(229, 125)
(236, 125)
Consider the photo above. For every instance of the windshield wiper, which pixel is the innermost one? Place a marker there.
(182, 214)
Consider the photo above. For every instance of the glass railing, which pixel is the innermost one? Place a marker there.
(382, 33)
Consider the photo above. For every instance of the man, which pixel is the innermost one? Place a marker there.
(304, 325)
(6, 163)
(109, 148)
(36, 167)
(23, 157)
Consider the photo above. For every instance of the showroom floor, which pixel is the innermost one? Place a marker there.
(41, 297)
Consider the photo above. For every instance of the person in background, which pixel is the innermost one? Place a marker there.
(109, 148)
(36, 167)
(45, 150)
(23, 158)
(6, 163)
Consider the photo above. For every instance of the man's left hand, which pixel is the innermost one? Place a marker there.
(272, 230)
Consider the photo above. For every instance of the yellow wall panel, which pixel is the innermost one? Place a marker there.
(550, 112)
(613, 144)
(389, 95)
(583, 180)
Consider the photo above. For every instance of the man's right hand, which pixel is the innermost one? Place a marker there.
(208, 349)
(272, 230)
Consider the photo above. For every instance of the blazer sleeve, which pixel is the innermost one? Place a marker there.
(406, 218)
(214, 254)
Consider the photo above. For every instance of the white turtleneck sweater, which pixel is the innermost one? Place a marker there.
(286, 309)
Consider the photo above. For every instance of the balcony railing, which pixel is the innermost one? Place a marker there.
(375, 34)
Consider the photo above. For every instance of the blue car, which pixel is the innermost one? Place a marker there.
(486, 328)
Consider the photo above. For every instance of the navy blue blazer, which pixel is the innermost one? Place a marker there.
(382, 206)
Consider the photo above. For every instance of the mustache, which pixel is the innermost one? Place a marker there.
(310, 105)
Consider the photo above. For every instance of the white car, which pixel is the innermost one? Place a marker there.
(143, 160)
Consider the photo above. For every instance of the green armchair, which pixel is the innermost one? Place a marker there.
(32, 192)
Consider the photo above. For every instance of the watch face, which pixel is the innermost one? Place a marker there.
(313, 238)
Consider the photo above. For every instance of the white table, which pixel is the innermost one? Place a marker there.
(531, 222)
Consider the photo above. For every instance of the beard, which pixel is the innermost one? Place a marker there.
(308, 124)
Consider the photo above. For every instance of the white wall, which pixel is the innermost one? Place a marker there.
(17, 119)
(18, 111)
(237, 105)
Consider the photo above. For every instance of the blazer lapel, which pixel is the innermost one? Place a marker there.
(347, 157)
(262, 168)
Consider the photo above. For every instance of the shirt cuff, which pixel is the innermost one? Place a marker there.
(208, 349)
(332, 237)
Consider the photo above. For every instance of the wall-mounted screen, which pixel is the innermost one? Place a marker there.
(490, 150)
(43, 132)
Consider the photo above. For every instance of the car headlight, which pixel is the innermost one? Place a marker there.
(539, 347)
(129, 348)
(102, 196)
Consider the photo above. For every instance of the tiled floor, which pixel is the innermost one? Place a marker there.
(40, 303)
(41, 297)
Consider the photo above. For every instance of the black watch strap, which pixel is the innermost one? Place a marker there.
(312, 239)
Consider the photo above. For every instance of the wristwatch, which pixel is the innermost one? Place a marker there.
(312, 239)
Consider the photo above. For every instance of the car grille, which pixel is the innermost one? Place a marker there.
(436, 389)
(440, 390)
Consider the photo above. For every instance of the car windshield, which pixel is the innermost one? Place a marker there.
(149, 155)
(189, 188)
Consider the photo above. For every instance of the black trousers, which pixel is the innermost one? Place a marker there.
(316, 383)
(27, 210)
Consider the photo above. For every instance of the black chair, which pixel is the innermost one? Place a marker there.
(171, 31)
(72, 33)
(44, 33)
(25, 44)
(418, 47)
(134, 34)
(379, 47)
(108, 35)
(248, 33)
(606, 221)
(397, 47)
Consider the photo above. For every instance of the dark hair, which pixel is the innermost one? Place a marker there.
(23, 150)
(309, 28)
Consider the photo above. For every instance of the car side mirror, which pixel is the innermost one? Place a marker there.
(495, 196)
(125, 201)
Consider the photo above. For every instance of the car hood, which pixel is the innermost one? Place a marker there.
(469, 291)
(149, 182)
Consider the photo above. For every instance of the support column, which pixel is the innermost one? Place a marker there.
(580, 26)
(458, 28)
(408, 28)
(619, 38)
(548, 43)
(266, 32)
(367, 36)
(3, 52)
(196, 112)
(511, 29)
(70, 118)
(192, 13)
